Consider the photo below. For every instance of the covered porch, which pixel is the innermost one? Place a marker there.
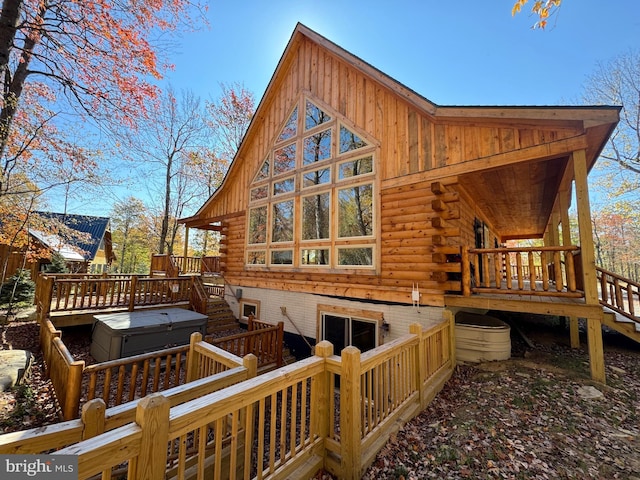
(525, 256)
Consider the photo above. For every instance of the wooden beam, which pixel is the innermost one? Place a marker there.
(504, 304)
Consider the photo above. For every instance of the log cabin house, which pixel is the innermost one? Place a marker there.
(355, 206)
(83, 241)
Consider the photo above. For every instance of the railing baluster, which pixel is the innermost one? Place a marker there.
(570, 270)
(557, 271)
(542, 264)
(532, 271)
(519, 273)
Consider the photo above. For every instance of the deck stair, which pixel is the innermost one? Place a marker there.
(221, 316)
(620, 298)
(221, 319)
(622, 324)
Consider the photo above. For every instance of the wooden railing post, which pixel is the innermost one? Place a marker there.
(279, 343)
(350, 414)
(451, 318)
(250, 362)
(421, 359)
(132, 292)
(73, 390)
(45, 296)
(152, 415)
(93, 418)
(192, 357)
(320, 392)
(466, 271)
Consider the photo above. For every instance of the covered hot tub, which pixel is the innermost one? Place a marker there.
(481, 338)
(125, 334)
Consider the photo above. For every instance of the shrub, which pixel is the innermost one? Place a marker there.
(58, 264)
(19, 288)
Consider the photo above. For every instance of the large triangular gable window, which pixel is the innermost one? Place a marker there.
(312, 201)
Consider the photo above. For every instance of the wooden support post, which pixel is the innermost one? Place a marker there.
(596, 350)
(45, 298)
(421, 367)
(350, 414)
(589, 274)
(564, 218)
(93, 418)
(186, 244)
(584, 224)
(132, 292)
(280, 344)
(574, 332)
(320, 393)
(73, 390)
(554, 235)
(451, 318)
(466, 271)
(250, 362)
(152, 415)
(192, 357)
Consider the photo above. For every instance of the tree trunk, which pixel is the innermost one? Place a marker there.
(9, 19)
(13, 86)
(164, 229)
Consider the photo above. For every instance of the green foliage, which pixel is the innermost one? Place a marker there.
(18, 289)
(58, 264)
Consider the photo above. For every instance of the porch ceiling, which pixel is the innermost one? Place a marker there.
(517, 199)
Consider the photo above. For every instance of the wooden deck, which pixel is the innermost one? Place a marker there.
(538, 304)
(524, 297)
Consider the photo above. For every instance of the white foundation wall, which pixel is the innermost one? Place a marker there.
(302, 308)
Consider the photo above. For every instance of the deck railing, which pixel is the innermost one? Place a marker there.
(123, 380)
(126, 379)
(97, 419)
(60, 294)
(262, 339)
(211, 265)
(281, 424)
(619, 294)
(545, 271)
(174, 265)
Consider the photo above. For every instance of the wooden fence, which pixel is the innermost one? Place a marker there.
(545, 271)
(281, 424)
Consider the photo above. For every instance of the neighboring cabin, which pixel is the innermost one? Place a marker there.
(83, 241)
(352, 201)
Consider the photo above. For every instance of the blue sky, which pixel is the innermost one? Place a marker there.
(466, 52)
